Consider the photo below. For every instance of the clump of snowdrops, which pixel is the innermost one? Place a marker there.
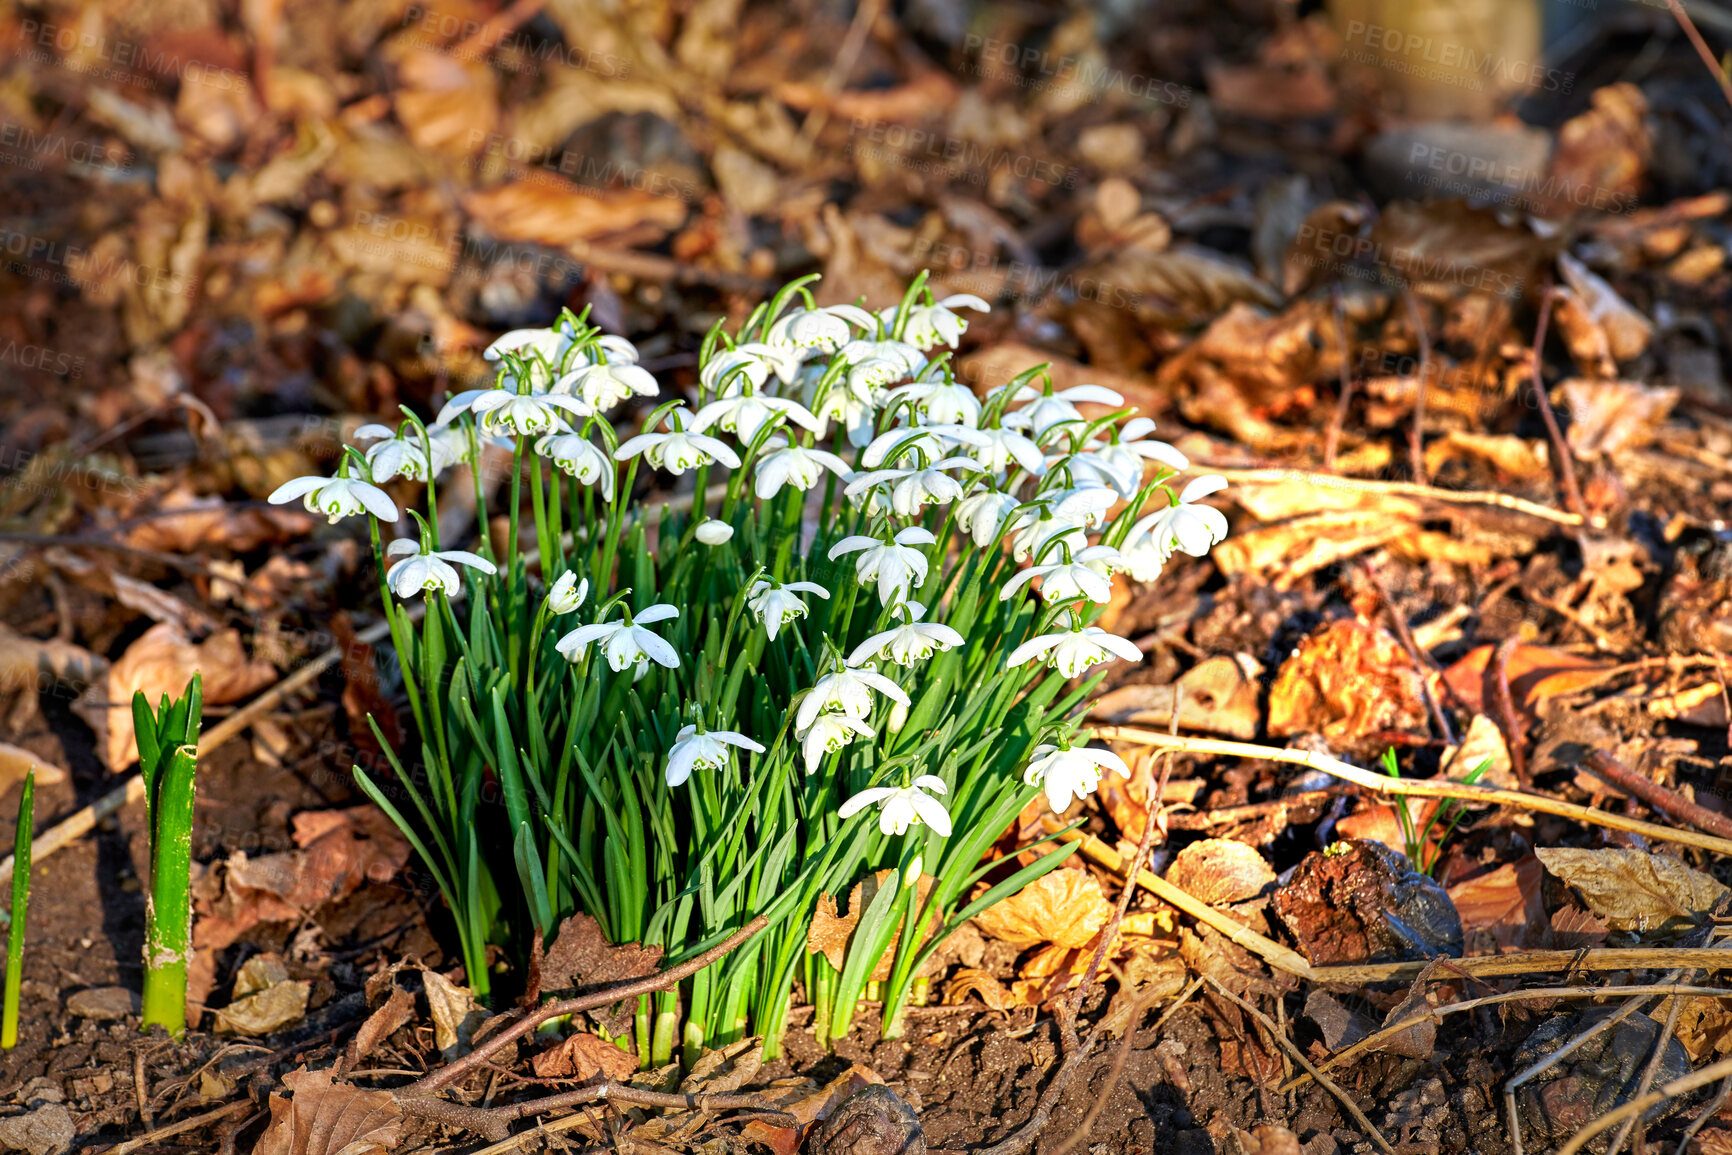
(857, 646)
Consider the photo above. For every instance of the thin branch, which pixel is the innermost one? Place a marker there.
(1702, 49)
(1560, 447)
(1416, 435)
(1405, 489)
(1656, 795)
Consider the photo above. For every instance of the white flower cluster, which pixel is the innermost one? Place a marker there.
(1022, 468)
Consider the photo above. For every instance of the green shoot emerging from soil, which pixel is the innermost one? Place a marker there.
(22, 841)
(1449, 813)
(168, 758)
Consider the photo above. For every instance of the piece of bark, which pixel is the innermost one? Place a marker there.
(872, 1121)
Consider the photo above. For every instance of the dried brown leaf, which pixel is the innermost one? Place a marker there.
(553, 211)
(1350, 682)
(1505, 903)
(1219, 871)
(326, 1118)
(395, 1014)
(584, 1056)
(455, 1013)
(1065, 907)
(582, 956)
(1634, 890)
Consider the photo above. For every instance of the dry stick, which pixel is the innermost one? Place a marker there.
(1418, 788)
(170, 1130)
(1332, 437)
(1702, 49)
(1114, 1074)
(1640, 1105)
(1711, 1109)
(1406, 489)
(1656, 795)
(493, 1123)
(660, 981)
(1416, 435)
(1566, 465)
(1419, 656)
(1436, 1014)
(1299, 1057)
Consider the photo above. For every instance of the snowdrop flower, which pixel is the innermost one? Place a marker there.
(616, 350)
(1045, 409)
(603, 386)
(746, 367)
(795, 465)
(1070, 652)
(1067, 772)
(912, 490)
(677, 450)
(399, 455)
(524, 414)
(1187, 527)
(1119, 463)
(1087, 574)
(710, 531)
(706, 751)
(898, 353)
(912, 641)
(930, 325)
(548, 344)
(851, 408)
(427, 570)
(900, 808)
(744, 414)
(625, 642)
(450, 446)
(1035, 531)
(943, 402)
(574, 453)
(999, 448)
(983, 513)
(847, 691)
(567, 594)
(893, 566)
(775, 605)
(829, 733)
(337, 497)
(822, 330)
(924, 440)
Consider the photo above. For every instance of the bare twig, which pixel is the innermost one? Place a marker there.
(1332, 437)
(493, 1123)
(1416, 434)
(1406, 489)
(1417, 787)
(1497, 672)
(1702, 49)
(170, 1130)
(1656, 795)
(1560, 447)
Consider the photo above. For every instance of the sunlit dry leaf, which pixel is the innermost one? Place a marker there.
(1602, 155)
(393, 1015)
(1535, 674)
(1065, 907)
(1635, 890)
(446, 106)
(1347, 681)
(725, 1069)
(974, 980)
(1505, 903)
(1483, 742)
(1704, 1025)
(17, 762)
(265, 999)
(809, 1104)
(326, 1118)
(455, 1013)
(1220, 871)
(1607, 417)
(550, 210)
(29, 663)
(581, 956)
(992, 366)
(1600, 327)
(584, 1056)
(1513, 457)
(1266, 1139)
(1219, 694)
(830, 933)
(162, 661)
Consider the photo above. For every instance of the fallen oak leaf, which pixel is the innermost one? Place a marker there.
(326, 1118)
(1634, 890)
(1064, 907)
(584, 1056)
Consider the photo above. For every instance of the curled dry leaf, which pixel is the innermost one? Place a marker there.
(1634, 890)
(456, 1017)
(393, 1015)
(186, 523)
(1220, 871)
(1598, 324)
(1350, 682)
(809, 1103)
(584, 1056)
(162, 661)
(1608, 417)
(16, 762)
(265, 999)
(974, 980)
(1218, 695)
(1536, 673)
(326, 1118)
(830, 931)
(28, 663)
(581, 956)
(1504, 905)
(553, 211)
(1064, 907)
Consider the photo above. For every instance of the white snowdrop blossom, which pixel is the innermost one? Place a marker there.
(847, 691)
(828, 734)
(1000, 448)
(893, 566)
(400, 454)
(929, 441)
(938, 324)
(775, 605)
(983, 513)
(337, 497)
(576, 455)
(822, 330)
(1087, 574)
(706, 751)
(568, 594)
(745, 368)
(912, 490)
(852, 408)
(787, 464)
(912, 641)
(524, 414)
(428, 569)
(1119, 463)
(902, 807)
(678, 449)
(898, 353)
(712, 531)
(1067, 772)
(1187, 527)
(603, 386)
(943, 402)
(548, 344)
(626, 642)
(1047, 409)
(744, 414)
(1070, 652)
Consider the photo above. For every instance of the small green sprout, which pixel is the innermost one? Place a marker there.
(22, 842)
(168, 758)
(1450, 813)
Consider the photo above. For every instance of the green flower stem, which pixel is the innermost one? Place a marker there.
(168, 760)
(22, 843)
